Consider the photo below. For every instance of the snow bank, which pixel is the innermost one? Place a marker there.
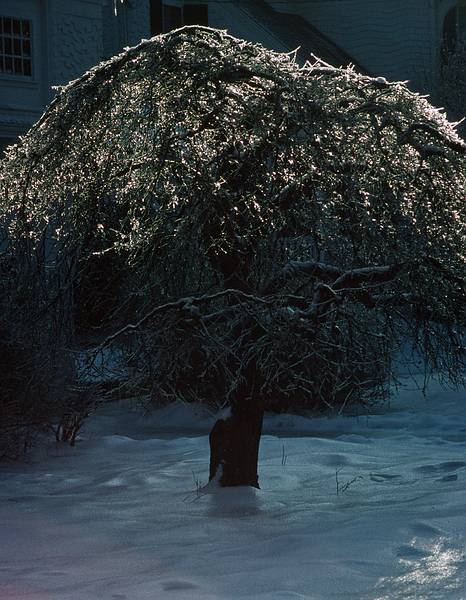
(368, 507)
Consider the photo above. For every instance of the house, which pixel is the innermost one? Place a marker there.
(45, 43)
(396, 39)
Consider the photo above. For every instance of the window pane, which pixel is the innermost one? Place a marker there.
(17, 47)
(26, 48)
(26, 29)
(18, 66)
(27, 68)
(8, 64)
(16, 27)
(7, 25)
(8, 46)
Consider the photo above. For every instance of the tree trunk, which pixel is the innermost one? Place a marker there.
(234, 441)
(234, 447)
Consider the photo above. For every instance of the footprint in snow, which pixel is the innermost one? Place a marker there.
(444, 467)
(170, 586)
(447, 478)
(409, 552)
(421, 529)
(382, 477)
(335, 460)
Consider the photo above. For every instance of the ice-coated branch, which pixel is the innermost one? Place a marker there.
(188, 305)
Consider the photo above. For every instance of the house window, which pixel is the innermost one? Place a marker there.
(165, 17)
(172, 17)
(15, 47)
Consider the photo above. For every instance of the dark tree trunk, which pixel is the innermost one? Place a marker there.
(234, 448)
(234, 441)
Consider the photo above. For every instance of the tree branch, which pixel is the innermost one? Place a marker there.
(187, 304)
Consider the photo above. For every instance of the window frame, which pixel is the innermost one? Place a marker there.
(22, 39)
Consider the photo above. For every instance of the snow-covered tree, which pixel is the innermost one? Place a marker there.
(256, 234)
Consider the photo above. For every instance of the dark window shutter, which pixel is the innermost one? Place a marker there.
(462, 23)
(450, 30)
(156, 25)
(196, 14)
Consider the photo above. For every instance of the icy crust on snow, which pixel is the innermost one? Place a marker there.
(369, 507)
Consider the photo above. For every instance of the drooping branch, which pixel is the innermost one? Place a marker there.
(339, 278)
(356, 278)
(311, 269)
(188, 305)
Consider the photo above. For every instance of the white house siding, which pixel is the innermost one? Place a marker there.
(110, 29)
(138, 21)
(396, 39)
(124, 24)
(76, 40)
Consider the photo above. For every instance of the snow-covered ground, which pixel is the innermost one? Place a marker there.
(119, 516)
